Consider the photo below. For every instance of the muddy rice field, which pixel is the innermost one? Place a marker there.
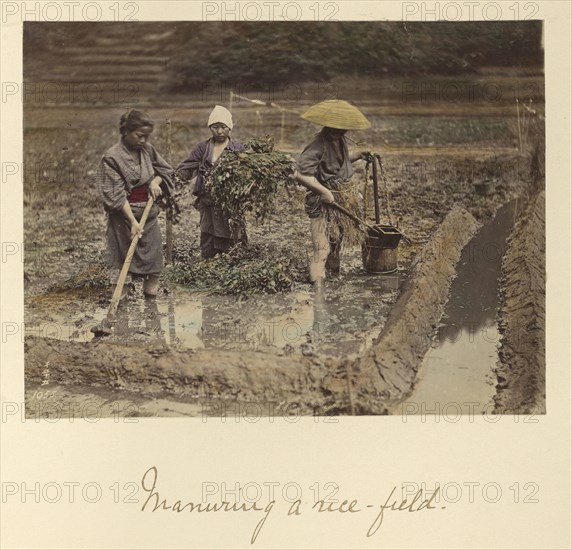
(460, 320)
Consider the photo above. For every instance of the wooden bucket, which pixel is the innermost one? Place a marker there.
(379, 251)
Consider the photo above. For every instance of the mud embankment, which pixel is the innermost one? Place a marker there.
(521, 370)
(364, 385)
(202, 374)
(389, 370)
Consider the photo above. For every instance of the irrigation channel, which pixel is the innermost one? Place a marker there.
(457, 374)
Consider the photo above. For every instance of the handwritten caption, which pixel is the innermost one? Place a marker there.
(267, 503)
(410, 497)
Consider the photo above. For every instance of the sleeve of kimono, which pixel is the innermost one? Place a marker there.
(162, 168)
(310, 158)
(189, 167)
(238, 147)
(161, 165)
(110, 185)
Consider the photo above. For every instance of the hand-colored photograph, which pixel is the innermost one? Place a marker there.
(250, 219)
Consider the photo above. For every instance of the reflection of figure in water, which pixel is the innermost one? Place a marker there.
(324, 167)
(136, 323)
(153, 321)
(129, 172)
(218, 328)
(171, 319)
(229, 327)
(217, 235)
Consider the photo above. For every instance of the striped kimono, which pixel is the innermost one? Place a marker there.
(118, 175)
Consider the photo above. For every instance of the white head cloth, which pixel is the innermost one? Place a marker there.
(222, 115)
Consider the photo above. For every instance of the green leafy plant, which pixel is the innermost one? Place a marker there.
(248, 181)
(252, 269)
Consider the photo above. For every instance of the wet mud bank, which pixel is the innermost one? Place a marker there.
(458, 371)
(366, 383)
(187, 375)
(521, 370)
(389, 370)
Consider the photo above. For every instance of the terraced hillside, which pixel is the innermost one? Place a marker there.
(98, 62)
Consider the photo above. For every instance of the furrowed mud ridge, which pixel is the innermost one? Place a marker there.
(522, 361)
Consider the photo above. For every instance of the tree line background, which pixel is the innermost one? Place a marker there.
(274, 52)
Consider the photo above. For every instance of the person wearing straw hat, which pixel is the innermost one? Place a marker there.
(216, 233)
(324, 168)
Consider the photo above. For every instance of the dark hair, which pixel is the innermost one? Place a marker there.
(327, 131)
(132, 119)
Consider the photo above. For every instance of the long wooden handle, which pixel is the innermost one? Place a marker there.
(376, 194)
(385, 187)
(357, 220)
(169, 215)
(127, 263)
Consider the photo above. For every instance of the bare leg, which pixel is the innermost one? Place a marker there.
(321, 249)
(124, 291)
(333, 261)
(151, 286)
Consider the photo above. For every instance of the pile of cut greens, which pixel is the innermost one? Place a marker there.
(245, 269)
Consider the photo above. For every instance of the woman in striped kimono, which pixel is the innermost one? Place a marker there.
(129, 172)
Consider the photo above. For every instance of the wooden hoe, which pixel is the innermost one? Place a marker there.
(104, 329)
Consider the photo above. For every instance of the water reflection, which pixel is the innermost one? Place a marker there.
(459, 366)
(343, 319)
(329, 322)
(139, 320)
(182, 322)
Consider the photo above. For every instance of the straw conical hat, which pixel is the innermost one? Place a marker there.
(336, 113)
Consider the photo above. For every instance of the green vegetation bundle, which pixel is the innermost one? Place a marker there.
(251, 269)
(248, 181)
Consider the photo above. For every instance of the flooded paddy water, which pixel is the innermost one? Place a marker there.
(340, 320)
(458, 372)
